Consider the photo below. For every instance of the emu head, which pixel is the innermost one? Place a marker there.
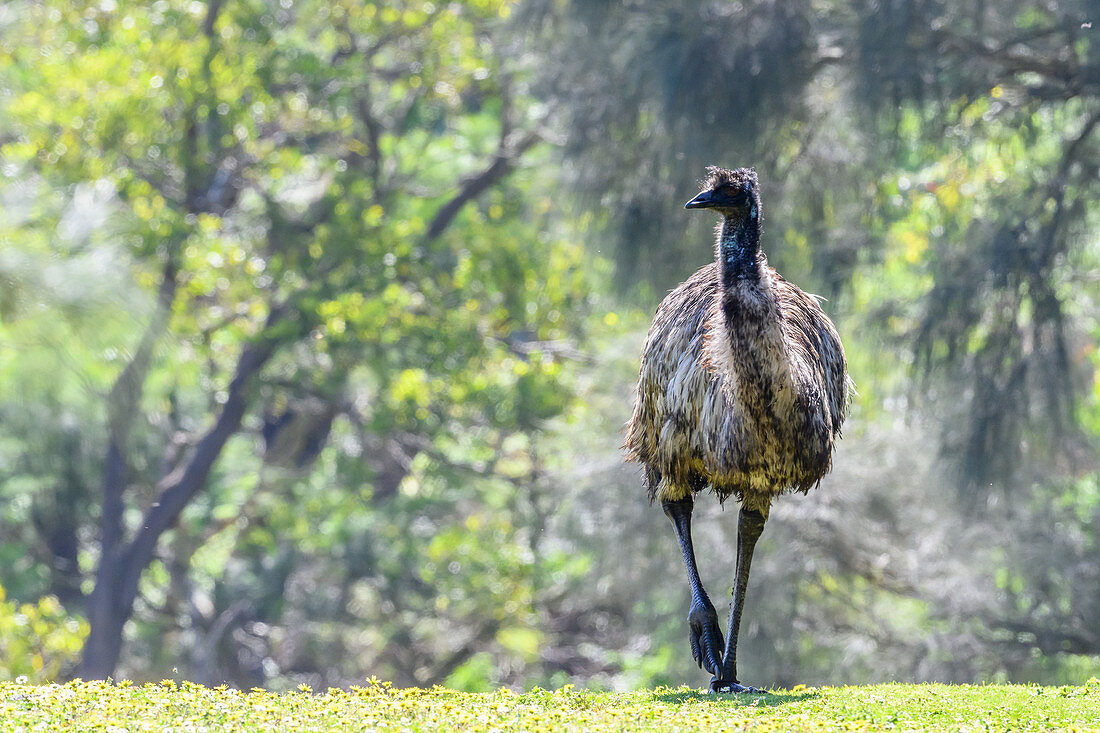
(733, 193)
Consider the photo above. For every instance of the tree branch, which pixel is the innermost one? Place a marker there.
(1070, 155)
(374, 134)
(177, 489)
(1010, 61)
(122, 411)
(503, 163)
(211, 18)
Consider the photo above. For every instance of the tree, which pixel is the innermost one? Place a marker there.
(287, 179)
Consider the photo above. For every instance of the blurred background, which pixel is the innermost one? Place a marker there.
(319, 324)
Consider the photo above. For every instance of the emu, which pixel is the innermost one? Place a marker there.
(743, 388)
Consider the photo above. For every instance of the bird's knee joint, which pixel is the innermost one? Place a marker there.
(677, 507)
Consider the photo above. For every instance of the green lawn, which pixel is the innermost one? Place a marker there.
(375, 706)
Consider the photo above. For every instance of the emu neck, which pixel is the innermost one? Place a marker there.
(750, 311)
(738, 250)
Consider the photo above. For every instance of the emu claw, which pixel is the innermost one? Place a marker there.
(731, 686)
(705, 636)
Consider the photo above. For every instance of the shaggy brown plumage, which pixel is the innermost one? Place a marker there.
(743, 389)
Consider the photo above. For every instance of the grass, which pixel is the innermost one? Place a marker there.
(80, 706)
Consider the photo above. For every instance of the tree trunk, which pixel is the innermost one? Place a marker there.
(101, 649)
(121, 566)
(106, 621)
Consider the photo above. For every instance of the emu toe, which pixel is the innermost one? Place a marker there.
(720, 686)
(706, 637)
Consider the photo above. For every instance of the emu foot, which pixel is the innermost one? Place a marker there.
(705, 636)
(719, 686)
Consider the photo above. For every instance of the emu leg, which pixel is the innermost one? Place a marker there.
(704, 633)
(750, 524)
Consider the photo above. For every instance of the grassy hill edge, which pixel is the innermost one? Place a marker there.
(79, 706)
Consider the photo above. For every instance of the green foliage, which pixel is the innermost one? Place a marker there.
(355, 186)
(38, 641)
(472, 675)
(87, 706)
(977, 238)
(426, 479)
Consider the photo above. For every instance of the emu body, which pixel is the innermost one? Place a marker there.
(743, 388)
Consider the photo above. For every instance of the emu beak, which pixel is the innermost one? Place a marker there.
(702, 201)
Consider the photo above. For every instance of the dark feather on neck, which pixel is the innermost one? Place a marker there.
(738, 247)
